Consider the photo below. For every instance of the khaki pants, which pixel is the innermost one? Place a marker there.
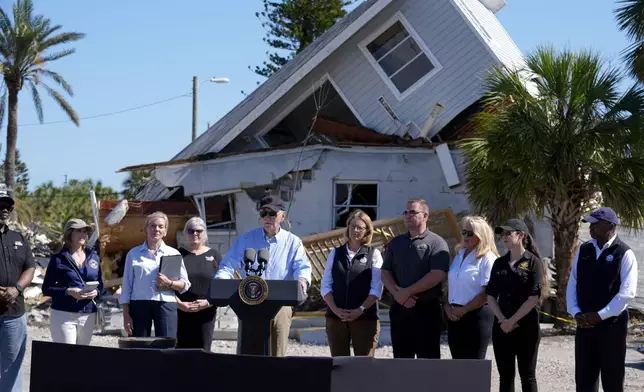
(363, 335)
(280, 328)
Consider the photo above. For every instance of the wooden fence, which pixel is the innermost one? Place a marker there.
(318, 246)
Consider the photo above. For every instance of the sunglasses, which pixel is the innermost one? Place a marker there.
(411, 212)
(467, 233)
(194, 231)
(264, 214)
(6, 208)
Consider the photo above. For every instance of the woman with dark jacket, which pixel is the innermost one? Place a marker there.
(351, 287)
(196, 315)
(73, 280)
(517, 285)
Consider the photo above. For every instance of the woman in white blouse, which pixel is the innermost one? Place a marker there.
(469, 325)
(351, 287)
(147, 295)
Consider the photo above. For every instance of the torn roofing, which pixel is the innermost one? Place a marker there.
(206, 140)
(293, 146)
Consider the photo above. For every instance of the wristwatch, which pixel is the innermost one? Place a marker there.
(19, 288)
(362, 308)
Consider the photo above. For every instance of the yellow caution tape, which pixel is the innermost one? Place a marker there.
(558, 318)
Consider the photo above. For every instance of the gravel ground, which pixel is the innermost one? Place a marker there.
(555, 369)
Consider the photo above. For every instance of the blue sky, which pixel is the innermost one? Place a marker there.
(138, 52)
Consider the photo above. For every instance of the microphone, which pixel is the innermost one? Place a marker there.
(262, 259)
(249, 257)
(263, 256)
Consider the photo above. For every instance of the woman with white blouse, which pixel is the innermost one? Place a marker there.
(469, 320)
(147, 295)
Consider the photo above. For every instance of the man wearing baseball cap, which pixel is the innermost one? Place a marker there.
(17, 266)
(288, 261)
(603, 279)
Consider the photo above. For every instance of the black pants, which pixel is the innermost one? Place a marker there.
(469, 337)
(163, 314)
(601, 348)
(416, 332)
(195, 330)
(523, 344)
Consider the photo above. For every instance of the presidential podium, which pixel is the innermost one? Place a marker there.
(255, 301)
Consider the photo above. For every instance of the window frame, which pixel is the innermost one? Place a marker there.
(399, 17)
(200, 201)
(335, 206)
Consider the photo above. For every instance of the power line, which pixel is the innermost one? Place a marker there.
(110, 113)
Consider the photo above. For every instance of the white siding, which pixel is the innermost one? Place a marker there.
(465, 60)
(492, 32)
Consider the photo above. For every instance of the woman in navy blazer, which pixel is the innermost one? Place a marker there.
(73, 280)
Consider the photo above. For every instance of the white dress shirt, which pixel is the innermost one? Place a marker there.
(141, 272)
(376, 265)
(627, 290)
(467, 276)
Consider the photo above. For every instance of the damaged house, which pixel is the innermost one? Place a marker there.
(362, 118)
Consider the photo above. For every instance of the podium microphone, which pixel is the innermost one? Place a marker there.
(249, 258)
(262, 259)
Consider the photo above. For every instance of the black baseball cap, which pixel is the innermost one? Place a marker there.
(512, 225)
(275, 203)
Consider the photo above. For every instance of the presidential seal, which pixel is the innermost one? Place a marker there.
(253, 290)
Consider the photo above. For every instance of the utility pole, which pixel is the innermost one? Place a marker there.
(195, 84)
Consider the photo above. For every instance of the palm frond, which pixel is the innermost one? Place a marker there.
(56, 56)
(59, 79)
(37, 102)
(630, 18)
(60, 100)
(62, 38)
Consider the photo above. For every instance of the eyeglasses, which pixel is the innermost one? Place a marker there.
(194, 231)
(411, 212)
(264, 214)
(357, 228)
(467, 233)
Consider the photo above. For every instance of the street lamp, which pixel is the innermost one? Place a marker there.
(195, 86)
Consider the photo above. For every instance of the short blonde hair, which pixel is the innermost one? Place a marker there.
(483, 231)
(359, 214)
(422, 202)
(157, 215)
(193, 222)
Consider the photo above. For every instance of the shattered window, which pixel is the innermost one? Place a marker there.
(220, 211)
(348, 197)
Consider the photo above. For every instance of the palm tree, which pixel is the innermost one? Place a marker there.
(630, 18)
(555, 139)
(135, 182)
(24, 56)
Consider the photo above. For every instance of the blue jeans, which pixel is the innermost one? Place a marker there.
(13, 344)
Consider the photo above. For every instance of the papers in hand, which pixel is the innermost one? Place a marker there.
(89, 286)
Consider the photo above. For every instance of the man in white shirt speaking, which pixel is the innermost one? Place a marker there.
(603, 279)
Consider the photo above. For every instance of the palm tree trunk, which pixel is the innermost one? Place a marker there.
(12, 139)
(566, 234)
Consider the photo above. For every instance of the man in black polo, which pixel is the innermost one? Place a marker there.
(414, 267)
(602, 281)
(17, 266)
